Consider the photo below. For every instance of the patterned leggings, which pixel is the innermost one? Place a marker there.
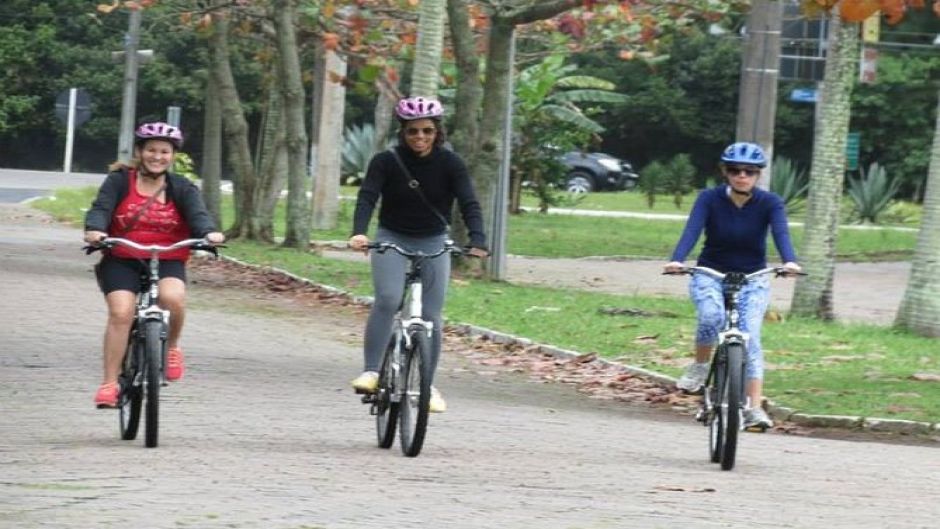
(709, 302)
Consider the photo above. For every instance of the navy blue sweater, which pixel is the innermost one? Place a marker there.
(735, 238)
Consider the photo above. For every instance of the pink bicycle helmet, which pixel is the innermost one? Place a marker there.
(160, 131)
(412, 108)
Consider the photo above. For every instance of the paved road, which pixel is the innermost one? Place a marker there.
(263, 433)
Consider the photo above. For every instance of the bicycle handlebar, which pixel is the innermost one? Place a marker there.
(778, 271)
(382, 247)
(196, 244)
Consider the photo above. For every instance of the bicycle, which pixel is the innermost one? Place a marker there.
(724, 399)
(142, 371)
(404, 389)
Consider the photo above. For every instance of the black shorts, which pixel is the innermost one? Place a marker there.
(131, 274)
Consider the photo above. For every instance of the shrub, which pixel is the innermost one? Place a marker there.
(789, 181)
(651, 181)
(871, 193)
(358, 149)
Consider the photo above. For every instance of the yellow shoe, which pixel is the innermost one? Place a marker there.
(437, 404)
(367, 382)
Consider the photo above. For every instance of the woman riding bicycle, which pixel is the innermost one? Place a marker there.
(416, 217)
(146, 203)
(735, 217)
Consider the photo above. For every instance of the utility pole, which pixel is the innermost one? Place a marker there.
(129, 101)
(501, 195)
(757, 102)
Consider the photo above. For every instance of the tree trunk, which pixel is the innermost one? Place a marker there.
(272, 166)
(236, 129)
(813, 293)
(292, 90)
(426, 73)
(388, 96)
(468, 100)
(329, 144)
(211, 170)
(920, 308)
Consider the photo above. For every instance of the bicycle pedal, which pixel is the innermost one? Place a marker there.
(758, 428)
(368, 398)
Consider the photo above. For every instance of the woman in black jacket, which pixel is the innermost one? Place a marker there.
(147, 204)
(416, 218)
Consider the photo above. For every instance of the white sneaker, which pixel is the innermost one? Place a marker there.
(757, 418)
(694, 377)
(437, 404)
(367, 382)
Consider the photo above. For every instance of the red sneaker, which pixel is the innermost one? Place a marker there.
(107, 395)
(174, 364)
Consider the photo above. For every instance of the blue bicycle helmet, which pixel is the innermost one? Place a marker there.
(744, 153)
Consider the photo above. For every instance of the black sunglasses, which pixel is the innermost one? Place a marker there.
(749, 171)
(413, 131)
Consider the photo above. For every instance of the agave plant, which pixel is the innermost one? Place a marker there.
(357, 151)
(789, 181)
(872, 193)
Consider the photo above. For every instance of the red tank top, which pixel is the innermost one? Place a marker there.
(161, 223)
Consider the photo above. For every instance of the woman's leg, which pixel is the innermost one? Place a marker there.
(752, 305)
(121, 306)
(435, 276)
(173, 299)
(388, 281)
(706, 294)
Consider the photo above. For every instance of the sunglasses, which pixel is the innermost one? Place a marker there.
(413, 131)
(748, 171)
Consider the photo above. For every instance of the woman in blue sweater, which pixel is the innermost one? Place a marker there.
(735, 217)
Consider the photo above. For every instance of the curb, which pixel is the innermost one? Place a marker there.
(777, 412)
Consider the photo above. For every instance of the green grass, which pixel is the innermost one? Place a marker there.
(812, 366)
(539, 235)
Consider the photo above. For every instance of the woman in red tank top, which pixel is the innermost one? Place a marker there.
(146, 203)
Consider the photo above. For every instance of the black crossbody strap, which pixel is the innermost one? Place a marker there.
(414, 184)
(143, 209)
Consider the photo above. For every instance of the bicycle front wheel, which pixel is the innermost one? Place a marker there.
(715, 392)
(131, 397)
(386, 409)
(732, 405)
(153, 377)
(416, 393)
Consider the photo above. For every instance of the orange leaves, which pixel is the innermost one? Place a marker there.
(858, 10)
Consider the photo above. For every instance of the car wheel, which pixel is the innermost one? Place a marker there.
(579, 182)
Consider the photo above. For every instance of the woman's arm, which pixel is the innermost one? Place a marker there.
(693, 228)
(98, 217)
(369, 193)
(781, 232)
(470, 208)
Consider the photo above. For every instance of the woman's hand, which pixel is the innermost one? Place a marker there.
(792, 269)
(478, 252)
(215, 237)
(94, 237)
(673, 267)
(359, 243)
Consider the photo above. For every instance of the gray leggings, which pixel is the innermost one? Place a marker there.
(388, 281)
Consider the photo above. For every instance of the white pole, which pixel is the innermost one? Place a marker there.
(70, 131)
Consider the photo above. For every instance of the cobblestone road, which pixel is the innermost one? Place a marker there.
(263, 433)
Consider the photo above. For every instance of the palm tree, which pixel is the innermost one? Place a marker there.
(920, 308)
(813, 293)
(426, 73)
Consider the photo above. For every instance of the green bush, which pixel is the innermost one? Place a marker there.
(358, 149)
(677, 180)
(789, 181)
(871, 193)
(651, 181)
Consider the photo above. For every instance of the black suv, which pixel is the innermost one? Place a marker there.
(597, 171)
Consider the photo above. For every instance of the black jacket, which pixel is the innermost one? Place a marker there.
(180, 191)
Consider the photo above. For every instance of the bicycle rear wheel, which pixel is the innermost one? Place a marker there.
(153, 377)
(386, 415)
(732, 407)
(131, 397)
(416, 394)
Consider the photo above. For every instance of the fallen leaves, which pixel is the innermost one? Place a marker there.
(925, 377)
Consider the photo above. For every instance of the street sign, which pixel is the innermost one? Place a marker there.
(82, 106)
(852, 148)
(803, 95)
